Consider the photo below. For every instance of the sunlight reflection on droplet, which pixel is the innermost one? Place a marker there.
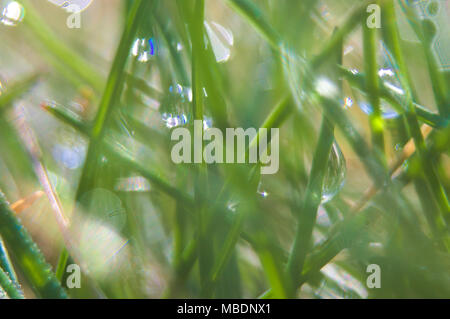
(69, 150)
(261, 190)
(133, 184)
(348, 102)
(101, 247)
(143, 49)
(12, 14)
(334, 178)
(174, 120)
(221, 40)
(105, 206)
(81, 4)
(348, 284)
(326, 88)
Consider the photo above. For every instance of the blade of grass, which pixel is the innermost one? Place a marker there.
(425, 31)
(17, 89)
(349, 229)
(9, 287)
(372, 85)
(27, 255)
(5, 263)
(110, 99)
(312, 200)
(391, 36)
(358, 81)
(59, 50)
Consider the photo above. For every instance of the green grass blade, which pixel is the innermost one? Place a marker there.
(37, 26)
(27, 255)
(9, 287)
(312, 200)
(111, 97)
(372, 84)
(5, 263)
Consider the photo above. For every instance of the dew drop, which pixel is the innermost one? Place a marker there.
(326, 88)
(133, 184)
(69, 150)
(261, 190)
(324, 11)
(221, 40)
(105, 206)
(80, 5)
(144, 49)
(347, 103)
(334, 178)
(294, 70)
(390, 80)
(232, 206)
(174, 120)
(12, 13)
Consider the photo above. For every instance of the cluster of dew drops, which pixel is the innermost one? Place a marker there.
(222, 40)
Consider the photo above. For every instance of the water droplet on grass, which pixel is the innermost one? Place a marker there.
(65, 4)
(221, 40)
(144, 49)
(334, 178)
(262, 191)
(69, 150)
(133, 184)
(106, 207)
(390, 80)
(347, 103)
(12, 13)
(326, 88)
(174, 120)
(324, 11)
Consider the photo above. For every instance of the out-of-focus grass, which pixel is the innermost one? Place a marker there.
(165, 230)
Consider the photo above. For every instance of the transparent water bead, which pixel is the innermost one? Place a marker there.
(294, 71)
(326, 88)
(221, 40)
(177, 105)
(143, 49)
(334, 178)
(389, 81)
(12, 13)
(133, 184)
(174, 120)
(106, 207)
(72, 5)
(347, 103)
(262, 190)
(69, 150)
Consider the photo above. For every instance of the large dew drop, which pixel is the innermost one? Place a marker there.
(221, 40)
(106, 207)
(12, 13)
(334, 178)
(389, 79)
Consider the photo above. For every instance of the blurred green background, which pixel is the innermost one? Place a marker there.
(86, 118)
